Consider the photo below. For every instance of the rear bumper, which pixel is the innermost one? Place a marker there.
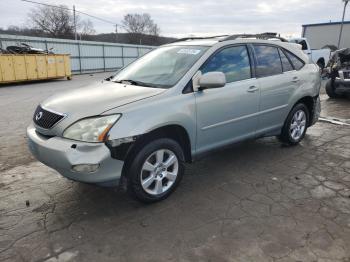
(62, 154)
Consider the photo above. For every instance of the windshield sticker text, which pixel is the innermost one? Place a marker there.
(189, 51)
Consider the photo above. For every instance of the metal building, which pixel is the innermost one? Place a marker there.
(86, 56)
(322, 34)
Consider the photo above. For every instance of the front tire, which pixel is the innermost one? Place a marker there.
(330, 89)
(156, 170)
(296, 124)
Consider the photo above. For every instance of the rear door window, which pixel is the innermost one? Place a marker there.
(286, 65)
(268, 60)
(232, 61)
(296, 61)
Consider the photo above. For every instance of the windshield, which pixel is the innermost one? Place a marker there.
(161, 68)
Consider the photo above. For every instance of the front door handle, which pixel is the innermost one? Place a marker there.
(295, 79)
(252, 89)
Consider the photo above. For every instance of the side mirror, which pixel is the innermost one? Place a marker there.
(109, 78)
(212, 80)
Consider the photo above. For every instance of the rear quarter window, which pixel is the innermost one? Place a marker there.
(296, 61)
(286, 64)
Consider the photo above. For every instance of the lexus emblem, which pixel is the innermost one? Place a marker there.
(38, 116)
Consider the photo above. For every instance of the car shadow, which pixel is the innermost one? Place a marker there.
(202, 179)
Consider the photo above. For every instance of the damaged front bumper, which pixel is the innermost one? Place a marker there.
(79, 161)
(343, 81)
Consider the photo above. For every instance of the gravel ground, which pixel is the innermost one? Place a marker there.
(256, 201)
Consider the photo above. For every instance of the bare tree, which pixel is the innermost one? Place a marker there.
(87, 28)
(54, 21)
(58, 22)
(14, 28)
(154, 30)
(140, 24)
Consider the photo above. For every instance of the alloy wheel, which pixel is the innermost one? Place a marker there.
(159, 172)
(298, 125)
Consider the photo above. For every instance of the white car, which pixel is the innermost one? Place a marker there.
(318, 56)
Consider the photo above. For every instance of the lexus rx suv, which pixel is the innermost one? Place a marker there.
(173, 105)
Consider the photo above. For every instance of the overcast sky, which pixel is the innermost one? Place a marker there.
(192, 17)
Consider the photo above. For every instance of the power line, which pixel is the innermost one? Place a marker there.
(98, 18)
(67, 8)
(33, 2)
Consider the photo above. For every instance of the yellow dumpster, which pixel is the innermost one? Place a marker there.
(28, 67)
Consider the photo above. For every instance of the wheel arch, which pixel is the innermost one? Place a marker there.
(309, 102)
(172, 131)
(175, 132)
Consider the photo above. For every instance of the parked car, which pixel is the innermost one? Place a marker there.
(173, 105)
(338, 71)
(318, 56)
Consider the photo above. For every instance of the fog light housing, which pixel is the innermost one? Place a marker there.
(85, 168)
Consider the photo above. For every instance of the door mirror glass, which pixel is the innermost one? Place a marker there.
(212, 80)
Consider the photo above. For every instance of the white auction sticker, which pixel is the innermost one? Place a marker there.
(189, 51)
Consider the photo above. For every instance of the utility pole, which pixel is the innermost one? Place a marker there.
(75, 24)
(116, 33)
(342, 22)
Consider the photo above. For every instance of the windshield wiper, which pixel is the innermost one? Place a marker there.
(134, 82)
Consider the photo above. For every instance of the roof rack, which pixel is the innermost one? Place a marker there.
(198, 38)
(264, 36)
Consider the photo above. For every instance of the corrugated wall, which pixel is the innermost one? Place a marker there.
(321, 35)
(86, 56)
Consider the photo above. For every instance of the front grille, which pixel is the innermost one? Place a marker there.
(46, 119)
(346, 74)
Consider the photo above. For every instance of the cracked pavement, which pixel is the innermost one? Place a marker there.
(255, 201)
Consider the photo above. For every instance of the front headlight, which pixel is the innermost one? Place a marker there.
(94, 129)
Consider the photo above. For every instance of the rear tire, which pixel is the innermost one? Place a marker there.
(156, 170)
(330, 89)
(321, 64)
(296, 124)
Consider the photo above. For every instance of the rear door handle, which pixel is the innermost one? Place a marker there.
(252, 89)
(295, 79)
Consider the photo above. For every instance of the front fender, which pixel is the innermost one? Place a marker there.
(145, 116)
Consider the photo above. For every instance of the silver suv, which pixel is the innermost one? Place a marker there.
(171, 106)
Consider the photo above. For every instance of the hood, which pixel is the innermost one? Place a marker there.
(98, 98)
